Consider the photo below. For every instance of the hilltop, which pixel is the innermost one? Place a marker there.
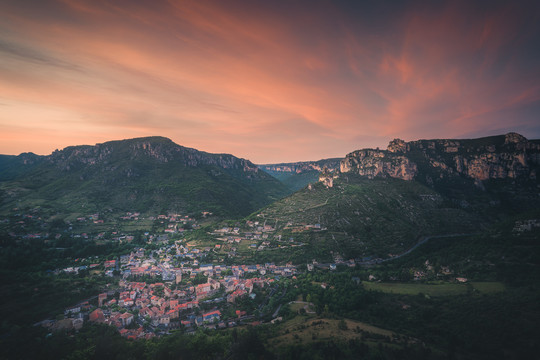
(370, 204)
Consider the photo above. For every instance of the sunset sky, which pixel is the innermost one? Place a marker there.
(270, 81)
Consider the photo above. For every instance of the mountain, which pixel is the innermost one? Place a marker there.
(148, 175)
(297, 175)
(381, 202)
(12, 166)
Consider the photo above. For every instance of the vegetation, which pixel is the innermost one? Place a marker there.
(417, 289)
(364, 218)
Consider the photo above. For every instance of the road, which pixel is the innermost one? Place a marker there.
(424, 240)
(270, 295)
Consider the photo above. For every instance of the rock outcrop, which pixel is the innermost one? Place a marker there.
(327, 177)
(303, 166)
(372, 163)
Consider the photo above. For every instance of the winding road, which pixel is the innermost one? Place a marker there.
(424, 240)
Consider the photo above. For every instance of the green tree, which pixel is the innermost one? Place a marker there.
(200, 278)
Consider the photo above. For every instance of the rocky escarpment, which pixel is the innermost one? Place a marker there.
(372, 163)
(303, 166)
(157, 149)
(143, 174)
(509, 156)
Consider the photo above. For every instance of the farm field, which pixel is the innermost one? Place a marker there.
(306, 329)
(488, 287)
(444, 289)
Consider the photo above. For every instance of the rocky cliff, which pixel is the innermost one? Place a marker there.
(372, 163)
(302, 166)
(509, 156)
(156, 149)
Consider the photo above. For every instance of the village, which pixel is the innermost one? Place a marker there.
(154, 291)
(142, 310)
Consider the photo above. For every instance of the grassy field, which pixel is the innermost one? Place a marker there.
(308, 329)
(434, 289)
(123, 226)
(488, 287)
(295, 307)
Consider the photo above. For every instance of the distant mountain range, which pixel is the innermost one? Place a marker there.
(297, 175)
(150, 174)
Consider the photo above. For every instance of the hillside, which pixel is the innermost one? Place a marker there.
(365, 218)
(147, 175)
(12, 166)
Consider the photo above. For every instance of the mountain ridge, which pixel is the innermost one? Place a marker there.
(141, 173)
(494, 157)
(301, 166)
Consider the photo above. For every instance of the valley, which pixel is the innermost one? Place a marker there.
(429, 249)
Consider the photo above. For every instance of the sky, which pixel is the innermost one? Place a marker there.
(269, 81)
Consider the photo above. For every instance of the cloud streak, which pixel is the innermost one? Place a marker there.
(268, 81)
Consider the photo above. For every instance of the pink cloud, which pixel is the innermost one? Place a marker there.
(254, 80)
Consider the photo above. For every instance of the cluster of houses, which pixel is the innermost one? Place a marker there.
(521, 226)
(260, 236)
(95, 218)
(24, 225)
(235, 234)
(429, 271)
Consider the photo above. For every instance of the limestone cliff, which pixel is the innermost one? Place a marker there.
(302, 167)
(372, 163)
(327, 177)
(509, 156)
(158, 149)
